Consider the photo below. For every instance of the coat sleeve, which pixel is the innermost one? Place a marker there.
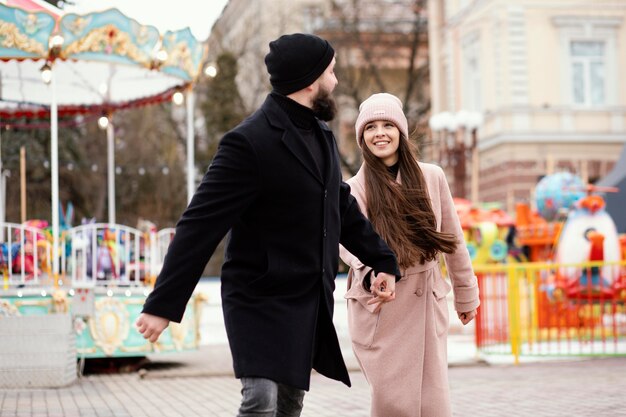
(349, 259)
(459, 264)
(229, 186)
(359, 239)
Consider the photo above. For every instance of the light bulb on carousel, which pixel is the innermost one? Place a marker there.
(56, 42)
(46, 73)
(178, 98)
(160, 57)
(210, 71)
(103, 122)
(54, 46)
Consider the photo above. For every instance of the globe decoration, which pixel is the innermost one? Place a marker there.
(557, 192)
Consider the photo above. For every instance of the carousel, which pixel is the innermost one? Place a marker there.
(55, 66)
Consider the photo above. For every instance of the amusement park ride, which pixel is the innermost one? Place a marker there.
(107, 271)
(590, 234)
(574, 253)
(55, 65)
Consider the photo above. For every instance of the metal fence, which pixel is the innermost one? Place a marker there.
(95, 254)
(25, 255)
(552, 309)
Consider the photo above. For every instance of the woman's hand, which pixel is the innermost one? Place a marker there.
(467, 316)
(384, 289)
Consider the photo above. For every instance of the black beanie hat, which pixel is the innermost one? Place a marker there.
(296, 61)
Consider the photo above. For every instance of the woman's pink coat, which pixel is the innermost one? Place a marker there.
(402, 349)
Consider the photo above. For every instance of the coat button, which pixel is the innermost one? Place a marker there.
(324, 232)
(325, 194)
(419, 292)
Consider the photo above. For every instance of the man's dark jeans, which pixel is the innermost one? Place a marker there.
(265, 398)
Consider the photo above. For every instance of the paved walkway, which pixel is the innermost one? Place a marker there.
(201, 384)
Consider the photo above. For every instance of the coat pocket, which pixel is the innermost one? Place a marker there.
(362, 321)
(442, 317)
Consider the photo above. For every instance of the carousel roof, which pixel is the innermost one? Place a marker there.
(101, 61)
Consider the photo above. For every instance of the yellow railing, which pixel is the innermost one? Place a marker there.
(552, 309)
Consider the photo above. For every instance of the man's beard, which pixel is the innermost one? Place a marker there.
(324, 106)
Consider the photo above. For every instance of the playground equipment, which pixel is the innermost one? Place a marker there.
(488, 233)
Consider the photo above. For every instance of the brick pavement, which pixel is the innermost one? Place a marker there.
(199, 384)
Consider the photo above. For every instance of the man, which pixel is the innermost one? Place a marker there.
(275, 183)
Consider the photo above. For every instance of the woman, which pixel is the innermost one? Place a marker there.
(401, 347)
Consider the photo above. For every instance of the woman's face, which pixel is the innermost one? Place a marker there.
(382, 138)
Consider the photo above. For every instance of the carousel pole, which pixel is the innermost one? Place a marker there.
(2, 189)
(191, 166)
(111, 170)
(54, 164)
(3, 193)
(23, 184)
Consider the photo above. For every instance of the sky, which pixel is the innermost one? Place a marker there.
(199, 16)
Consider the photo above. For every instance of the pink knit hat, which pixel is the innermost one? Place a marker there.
(381, 106)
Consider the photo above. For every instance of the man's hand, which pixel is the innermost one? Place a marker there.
(384, 289)
(467, 317)
(151, 326)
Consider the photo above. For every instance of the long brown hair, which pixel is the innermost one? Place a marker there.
(402, 213)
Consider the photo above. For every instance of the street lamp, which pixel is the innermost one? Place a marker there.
(451, 129)
(471, 121)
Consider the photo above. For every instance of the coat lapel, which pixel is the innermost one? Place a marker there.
(328, 145)
(291, 138)
(294, 143)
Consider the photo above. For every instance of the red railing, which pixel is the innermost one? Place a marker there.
(551, 309)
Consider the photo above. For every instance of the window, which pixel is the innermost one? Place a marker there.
(588, 71)
(589, 60)
(472, 97)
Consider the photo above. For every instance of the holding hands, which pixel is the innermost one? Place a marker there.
(384, 289)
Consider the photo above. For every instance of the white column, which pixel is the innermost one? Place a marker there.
(191, 166)
(54, 167)
(111, 170)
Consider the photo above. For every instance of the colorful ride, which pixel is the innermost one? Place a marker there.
(589, 235)
(538, 231)
(488, 233)
(106, 273)
(555, 194)
(587, 278)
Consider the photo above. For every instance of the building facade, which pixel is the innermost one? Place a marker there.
(380, 46)
(544, 76)
(245, 29)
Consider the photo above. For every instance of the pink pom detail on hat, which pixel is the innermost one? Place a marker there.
(381, 106)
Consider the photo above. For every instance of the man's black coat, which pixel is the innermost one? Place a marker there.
(286, 222)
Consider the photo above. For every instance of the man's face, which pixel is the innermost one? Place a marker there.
(324, 105)
(328, 80)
